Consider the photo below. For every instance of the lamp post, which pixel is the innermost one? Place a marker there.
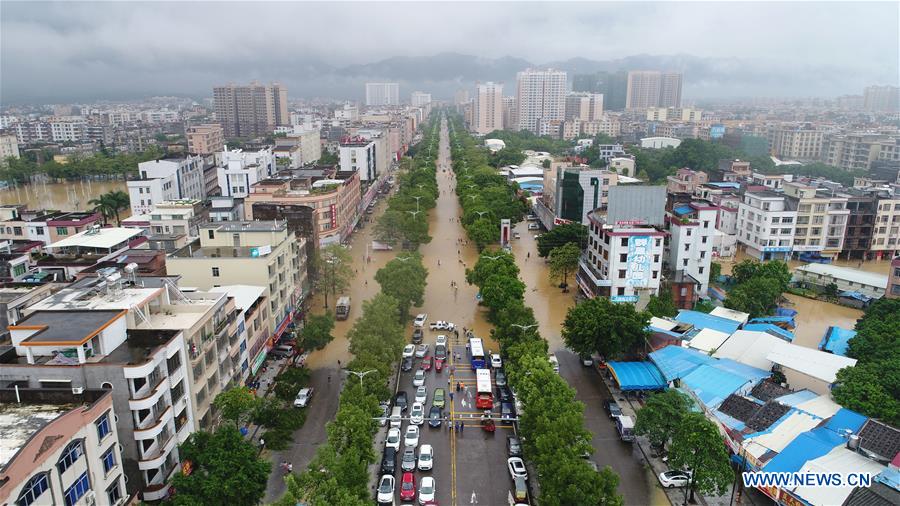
(361, 375)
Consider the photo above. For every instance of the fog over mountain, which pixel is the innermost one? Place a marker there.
(64, 51)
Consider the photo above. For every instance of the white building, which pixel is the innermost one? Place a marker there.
(367, 153)
(766, 225)
(692, 229)
(9, 147)
(166, 179)
(487, 113)
(70, 129)
(660, 142)
(382, 94)
(241, 169)
(419, 98)
(307, 142)
(623, 165)
(540, 97)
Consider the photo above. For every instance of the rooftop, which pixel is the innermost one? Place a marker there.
(244, 295)
(818, 364)
(245, 226)
(139, 346)
(65, 327)
(104, 238)
(846, 273)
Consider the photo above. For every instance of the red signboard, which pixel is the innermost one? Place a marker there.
(631, 222)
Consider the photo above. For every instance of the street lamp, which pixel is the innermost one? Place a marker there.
(414, 213)
(481, 213)
(361, 375)
(524, 327)
(493, 258)
(417, 201)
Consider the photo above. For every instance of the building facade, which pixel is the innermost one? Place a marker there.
(205, 139)
(584, 106)
(540, 97)
(166, 179)
(487, 114)
(765, 225)
(250, 111)
(378, 94)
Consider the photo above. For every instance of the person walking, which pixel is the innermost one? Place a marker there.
(451, 397)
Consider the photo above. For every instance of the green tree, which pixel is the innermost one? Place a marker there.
(662, 305)
(697, 445)
(715, 270)
(608, 328)
(334, 271)
(500, 291)
(776, 270)
(564, 261)
(111, 204)
(236, 404)
(704, 306)
(378, 333)
(507, 156)
(562, 235)
(830, 291)
(871, 388)
(225, 469)
(316, 332)
(484, 232)
(661, 416)
(404, 279)
(878, 335)
(758, 296)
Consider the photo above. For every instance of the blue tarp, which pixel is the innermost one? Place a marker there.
(775, 330)
(788, 320)
(683, 209)
(675, 362)
(890, 477)
(846, 420)
(707, 321)
(785, 311)
(712, 385)
(836, 340)
(855, 295)
(637, 375)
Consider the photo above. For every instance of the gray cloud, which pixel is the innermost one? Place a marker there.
(82, 50)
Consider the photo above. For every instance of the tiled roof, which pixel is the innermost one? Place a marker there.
(880, 439)
(767, 415)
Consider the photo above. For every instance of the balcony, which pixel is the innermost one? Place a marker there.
(156, 454)
(152, 396)
(152, 426)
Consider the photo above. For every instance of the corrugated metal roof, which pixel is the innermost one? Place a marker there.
(675, 362)
(637, 375)
(814, 363)
(846, 273)
(707, 321)
(838, 460)
(707, 340)
(749, 347)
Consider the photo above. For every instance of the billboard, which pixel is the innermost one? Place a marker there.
(638, 270)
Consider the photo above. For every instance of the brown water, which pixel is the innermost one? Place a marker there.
(71, 196)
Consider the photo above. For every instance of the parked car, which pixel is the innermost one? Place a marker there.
(417, 336)
(386, 490)
(408, 461)
(442, 325)
(401, 401)
(421, 350)
(500, 378)
(407, 364)
(389, 461)
(438, 365)
(417, 414)
(513, 446)
(421, 394)
(520, 489)
(440, 354)
(419, 322)
(393, 439)
(554, 362)
(504, 394)
(385, 412)
(426, 363)
(437, 398)
(672, 478)
(409, 350)
(407, 487)
(435, 417)
(506, 411)
(411, 438)
(419, 378)
(534, 226)
(496, 361)
(440, 340)
(426, 457)
(426, 490)
(516, 467)
(396, 417)
(586, 360)
(303, 397)
(612, 408)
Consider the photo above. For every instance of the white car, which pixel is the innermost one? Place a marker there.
(534, 226)
(426, 490)
(422, 350)
(409, 350)
(393, 439)
(417, 414)
(441, 339)
(670, 479)
(496, 361)
(426, 457)
(419, 378)
(303, 397)
(554, 362)
(411, 438)
(421, 394)
(442, 325)
(420, 320)
(516, 468)
(386, 490)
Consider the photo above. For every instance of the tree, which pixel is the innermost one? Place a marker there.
(225, 469)
(704, 306)
(499, 291)
(236, 404)
(608, 328)
(378, 334)
(758, 296)
(878, 335)
(111, 204)
(507, 156)
(830, 291)
(776, 270)
(697, 445)
(872, 388)
(563, 261)
(715, 270)
(484, 232)
(661, 416)
(404, 279)
(546, 163)
(333, 269)
(560, 236)
(662, 305)
(316, 332)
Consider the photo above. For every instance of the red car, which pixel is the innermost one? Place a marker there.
(438, 364)
(407, 487)
(426, 363)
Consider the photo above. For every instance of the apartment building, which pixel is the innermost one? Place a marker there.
(584, 106)
(861, 204)
(306, 147)
(689, 245)
(795, 142)
(378, 94)
(607, 125)
(652, 88)
(240, 170)
(256, 330)
(60, 446)
(857, 151)
(765, 225)
(487, 113)
(881, 98)
(258, 253)
(166, 179)
(419, 99)
(623, 165)
(886, 232)
(71, 255)
(205, 139)
(821, 219)
(361, 154)
(540, 97)
(670, 89)
(580, 190)
(893, 287)
(9, 147)
(250, 111)
(172, 224)
(510, 113)
(686, 180)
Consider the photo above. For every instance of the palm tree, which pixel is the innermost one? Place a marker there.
(110, 204)
(120, 202)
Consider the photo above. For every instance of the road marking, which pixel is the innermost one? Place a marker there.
(474, 499)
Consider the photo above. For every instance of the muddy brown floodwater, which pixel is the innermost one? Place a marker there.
(71, 196)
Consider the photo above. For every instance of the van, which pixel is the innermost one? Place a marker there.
(625, 428)
(282, 351)
(396, 416)
(389, 461)
(342, 308)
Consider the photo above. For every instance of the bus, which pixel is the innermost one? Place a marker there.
(476, 351)
(485, 397)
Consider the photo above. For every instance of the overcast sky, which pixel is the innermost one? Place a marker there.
(80, 50)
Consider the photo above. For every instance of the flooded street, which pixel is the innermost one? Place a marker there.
(70, 196)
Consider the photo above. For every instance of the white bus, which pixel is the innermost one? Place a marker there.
(476, 351)
(485, 397)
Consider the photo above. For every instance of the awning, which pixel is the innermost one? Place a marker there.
(637, 375)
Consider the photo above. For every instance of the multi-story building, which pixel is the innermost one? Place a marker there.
(765, 225)
(487, 114)
(166, 179)
(250, 111)
(540, 97)
(670, 89)
(584, 106)
(241, 169)
(580, 190)
(378, 94)
(172, 224)
(886, 233)
(861, 203)
(510, 114)
(607, 125)
(623, 165)
(857, 151)
(257, 253)
(800, 142)
(250, 301)
(9, 147)
(881, 98)
(689, 245)
(686, 180)
(821, 219)
(68, 129)
(643, 89)
(308, 146)
(29, 132)
(60, 446)
(205, 139)
(893, 287)
(360, 154)
(419, 99)
(73, 254)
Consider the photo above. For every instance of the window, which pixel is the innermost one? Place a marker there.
(62, 230)
(109, 459)
(70, 455)
(33, 490)
(655, 274)
(624, 242)
(700, 270)
(102, 427)
(655, 258)
(17, 230)
(620, 291)
(623, 257)
(702, 255)
(39, 230)
(114, 493)
(621, 273)
(215, 272)
(78, 489)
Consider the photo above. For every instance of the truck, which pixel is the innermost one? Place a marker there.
(342, 309)
(625, 428)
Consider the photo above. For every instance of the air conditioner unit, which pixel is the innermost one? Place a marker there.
(77, 390)
(90, 498)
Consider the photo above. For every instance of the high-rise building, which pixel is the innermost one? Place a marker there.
(487, 115)
(250, 111)
(540, 98)
(382, 94)
(584, 106)
(670, 90)
(419, 98)
(881, 98)
(510, 114)
(652, 88)
(205, 139)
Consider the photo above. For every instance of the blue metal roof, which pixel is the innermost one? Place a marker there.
(637, 375)
(815, 443)
(775, 330)
(675, 362)
(836, 340)
(846, 420)
(855, 295)
(797, 398)
(789, 320)
(723, 184)
(712, 384)
(748, 372)
(683, 209)
(707, 321)
(785, 311)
